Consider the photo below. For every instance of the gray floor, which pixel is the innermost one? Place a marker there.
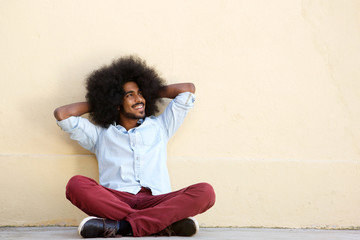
(70, 233)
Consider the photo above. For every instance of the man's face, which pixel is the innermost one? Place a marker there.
(134, 103)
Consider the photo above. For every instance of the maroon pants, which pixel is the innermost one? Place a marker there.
(147, 214)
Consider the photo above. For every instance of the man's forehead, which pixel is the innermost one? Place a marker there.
(130, 87)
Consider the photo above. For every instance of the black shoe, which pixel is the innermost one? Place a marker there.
(186, 228)
(92, 227)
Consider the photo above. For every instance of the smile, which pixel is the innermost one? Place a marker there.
(138, 106)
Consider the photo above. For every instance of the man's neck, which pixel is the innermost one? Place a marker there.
(129, 123)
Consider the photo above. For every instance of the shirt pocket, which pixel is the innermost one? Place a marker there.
(150, 136)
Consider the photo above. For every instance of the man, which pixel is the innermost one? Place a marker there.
(134, 195)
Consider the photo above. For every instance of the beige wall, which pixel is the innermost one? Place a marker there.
(275, 128)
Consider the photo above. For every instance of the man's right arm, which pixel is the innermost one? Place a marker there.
(74, 109)
(80, 129)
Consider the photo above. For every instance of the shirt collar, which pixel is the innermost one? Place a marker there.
(140, 121)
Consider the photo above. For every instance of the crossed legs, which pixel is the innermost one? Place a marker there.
(147, 214)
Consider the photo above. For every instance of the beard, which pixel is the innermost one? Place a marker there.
(132, 115)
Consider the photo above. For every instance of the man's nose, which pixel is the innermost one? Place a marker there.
(139, 98)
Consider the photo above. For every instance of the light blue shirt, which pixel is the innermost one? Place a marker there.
(129, 160)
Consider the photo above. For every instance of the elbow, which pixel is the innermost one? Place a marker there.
(191, 87)
(58, 114)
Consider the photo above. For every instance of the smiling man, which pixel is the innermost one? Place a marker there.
(133, 196)
(133, 106)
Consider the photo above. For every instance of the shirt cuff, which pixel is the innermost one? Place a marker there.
(186, 99)
(68, 124)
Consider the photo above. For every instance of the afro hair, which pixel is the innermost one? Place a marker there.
(105, 88)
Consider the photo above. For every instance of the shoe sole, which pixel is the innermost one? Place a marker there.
(83, 223)
(89, 218)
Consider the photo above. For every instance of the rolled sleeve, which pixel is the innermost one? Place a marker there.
(175, 113)
(68, 124)
(81, 130)
(185, 100)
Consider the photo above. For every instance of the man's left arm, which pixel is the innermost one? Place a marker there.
(172, 90)
(183, 100)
